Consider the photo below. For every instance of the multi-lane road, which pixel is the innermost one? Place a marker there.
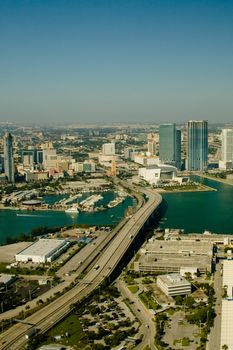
(147, 328)
(215, 332)
(44, 319)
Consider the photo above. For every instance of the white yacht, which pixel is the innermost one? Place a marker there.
(72, 210)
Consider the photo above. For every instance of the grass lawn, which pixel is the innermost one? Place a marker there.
(133, 289)
(148, 301)
(183, 342)
(71, 326)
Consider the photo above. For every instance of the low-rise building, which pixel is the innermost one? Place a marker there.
(7, 279)
(173, 284)
(175, 256)
(206, 236)
(42, 251)
(156, 174)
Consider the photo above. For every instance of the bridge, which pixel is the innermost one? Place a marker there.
(49, 315)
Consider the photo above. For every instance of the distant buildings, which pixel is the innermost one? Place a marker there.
(151, 144)
(108, 155)
(88, 166)
(170, 145)
(108, 149)
(9, 167)
(129, 153)
(146, 160)
(226, 161)
(32, 157)
(197, 147)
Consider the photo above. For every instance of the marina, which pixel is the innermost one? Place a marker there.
(14, 222)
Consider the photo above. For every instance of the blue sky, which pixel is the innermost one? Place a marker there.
(114, 61)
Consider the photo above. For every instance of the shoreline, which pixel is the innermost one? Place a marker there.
(209, 177)
(201, 188)
(31, 211)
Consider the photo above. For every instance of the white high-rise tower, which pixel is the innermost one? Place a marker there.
(227, 149)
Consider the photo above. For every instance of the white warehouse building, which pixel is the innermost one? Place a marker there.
(173, 284)
(42, 251)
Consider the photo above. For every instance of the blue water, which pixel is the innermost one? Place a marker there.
(12, 225)
(199, 211)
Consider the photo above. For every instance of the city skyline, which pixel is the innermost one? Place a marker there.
(124, 61)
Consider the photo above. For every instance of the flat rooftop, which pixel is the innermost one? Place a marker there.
(227, 323)
(174, 279)
(6, 278)
(227, 279)
(178, 247)
(175, 260)
(43, 247)
(227, 306)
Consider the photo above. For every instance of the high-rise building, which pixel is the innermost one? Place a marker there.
(108, 149)
(226, 161)
(1, 163)
(178, 149)
(197, 147)
(170, 144)
(9, 167)
(151, 144)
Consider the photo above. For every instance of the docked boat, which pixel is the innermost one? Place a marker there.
(72, 210)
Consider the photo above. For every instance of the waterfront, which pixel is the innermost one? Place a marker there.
(11, 224)
(192, 211)
(196, 212)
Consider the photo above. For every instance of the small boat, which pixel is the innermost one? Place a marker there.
(72, 210)
(25, 215)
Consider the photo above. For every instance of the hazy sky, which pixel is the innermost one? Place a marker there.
(116, 60)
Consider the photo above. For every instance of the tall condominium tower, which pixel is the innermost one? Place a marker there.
(8, 157)
(170, 144)
(151, 144)
(197, 148)
(178, 149)
(227, 149)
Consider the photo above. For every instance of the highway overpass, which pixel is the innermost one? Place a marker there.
(48, 316)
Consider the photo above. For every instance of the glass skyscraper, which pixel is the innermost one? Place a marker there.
(197, 148)
(9, 167)
(170, 144)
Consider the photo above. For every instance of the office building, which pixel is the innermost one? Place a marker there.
(173, 284)
(178, 149)
(108, 149)
(33, 154)
(1, 163)
(169, 144)
(9, 167)
(197, 147)
(227, 149)
(129, 153)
